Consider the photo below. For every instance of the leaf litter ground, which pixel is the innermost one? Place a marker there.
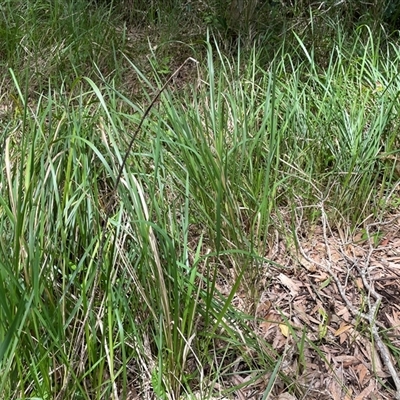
(341, 291)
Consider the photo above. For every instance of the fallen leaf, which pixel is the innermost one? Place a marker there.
(290, 284)
(286, 396)
(263, 308)
(359, 283)
(366, 392)
(348, 395)
(344, 313)
(342, 329)
(284, 330)
(271, 320)
(362, 373)
(346, 360)
(336, 256)
(384, 242)
(307, 265)
(396, 244)
(335, 390)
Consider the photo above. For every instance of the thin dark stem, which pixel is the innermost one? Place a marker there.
(100, 260)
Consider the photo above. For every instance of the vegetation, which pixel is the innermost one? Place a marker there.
(139, 272)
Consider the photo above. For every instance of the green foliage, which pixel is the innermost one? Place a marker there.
(215, 168)
(56, 41)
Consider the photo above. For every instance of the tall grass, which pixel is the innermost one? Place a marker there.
(58, 41)
(212, 173)
(60, 166)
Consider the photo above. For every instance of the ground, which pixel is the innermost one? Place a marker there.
(338, 288)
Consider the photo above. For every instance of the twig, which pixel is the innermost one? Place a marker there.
(328, 269)
(108, 210)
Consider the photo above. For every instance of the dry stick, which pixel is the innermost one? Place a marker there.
(339, 285)
(100, 261)
(382, 348)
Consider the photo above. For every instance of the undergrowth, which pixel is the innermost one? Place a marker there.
(226, 149)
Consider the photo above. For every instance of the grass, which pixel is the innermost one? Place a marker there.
(170, 309)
